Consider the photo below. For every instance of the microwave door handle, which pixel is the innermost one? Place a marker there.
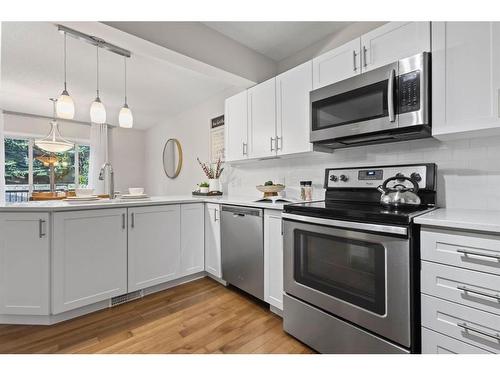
(390, 95)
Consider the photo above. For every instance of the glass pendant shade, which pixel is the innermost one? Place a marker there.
(97, 112)
(54, 142)
(125, 118)
(65, 107)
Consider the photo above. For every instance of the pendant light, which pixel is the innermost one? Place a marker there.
(97, 110)
(54, 142)
(65, 107)
(125, 118)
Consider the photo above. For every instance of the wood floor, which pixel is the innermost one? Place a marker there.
(198, 317)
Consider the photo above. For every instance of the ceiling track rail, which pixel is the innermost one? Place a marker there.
(95, 41)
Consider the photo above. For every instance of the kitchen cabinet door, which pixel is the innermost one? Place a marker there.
(192, 238)
(273, 258)
(465, 79)
(292, 110)
(213, 263)
(236, 134)
(262, 119)
(24, 263)
(336, 65)
(153, 245)
(394, 41)
(89, 257)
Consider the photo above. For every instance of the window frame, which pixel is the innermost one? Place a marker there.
(31, 144)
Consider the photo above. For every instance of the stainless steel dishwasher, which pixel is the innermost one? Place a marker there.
(242, 239)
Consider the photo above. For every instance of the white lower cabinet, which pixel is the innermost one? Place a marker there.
(273, 259)
(436, 343)
(89, 257)
(192, 238)
(213, 264)
(24, 263)
(154, 245)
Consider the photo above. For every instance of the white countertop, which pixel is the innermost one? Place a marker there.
(466, 219)
(52, 206)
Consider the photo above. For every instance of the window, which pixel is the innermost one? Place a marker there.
(27, 168)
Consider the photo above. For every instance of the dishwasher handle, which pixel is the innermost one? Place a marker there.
(241, 211)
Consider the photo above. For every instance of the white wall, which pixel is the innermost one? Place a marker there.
(332, 41)
(191, 128)
(127, 155)
(468, 170)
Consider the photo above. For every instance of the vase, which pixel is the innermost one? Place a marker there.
(214, 184)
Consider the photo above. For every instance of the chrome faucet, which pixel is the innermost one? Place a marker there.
(111, 191)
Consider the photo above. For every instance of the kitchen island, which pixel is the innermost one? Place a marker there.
(60, 260)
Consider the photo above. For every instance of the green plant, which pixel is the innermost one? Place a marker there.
(268, 183)
(204, 184)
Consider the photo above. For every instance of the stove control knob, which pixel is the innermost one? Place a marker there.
(333, 178)
(416, 177)
(343, 178)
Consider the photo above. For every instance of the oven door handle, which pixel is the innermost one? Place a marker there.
(386, 229)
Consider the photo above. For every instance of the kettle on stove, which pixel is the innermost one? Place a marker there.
(399, 194)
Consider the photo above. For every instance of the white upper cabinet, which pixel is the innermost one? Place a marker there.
(394, 41)
(153, 245)
(24, 263)
(236, 117)
(262, 119)
(465, 78)
(292, 110)
(192, 238)
(89, 257)
(213, 262)
(336, 65)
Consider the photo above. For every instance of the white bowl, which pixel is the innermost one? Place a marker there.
(84, 192)
(136, 191)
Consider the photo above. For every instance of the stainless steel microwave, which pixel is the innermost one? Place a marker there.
(387, 104)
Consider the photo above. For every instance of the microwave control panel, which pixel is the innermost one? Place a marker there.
(409, 92)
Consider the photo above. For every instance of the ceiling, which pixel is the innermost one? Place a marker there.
(277, 40)
(32, 71)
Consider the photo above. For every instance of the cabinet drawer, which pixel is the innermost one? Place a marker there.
(463, 323)
(436, 343)
(475, 251)
(475, 289)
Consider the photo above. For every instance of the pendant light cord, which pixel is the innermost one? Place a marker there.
(97, 54)
(125, 60)
(65, 62)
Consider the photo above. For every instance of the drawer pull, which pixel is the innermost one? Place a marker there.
(478, 292)
(479, 254)
(464, 325)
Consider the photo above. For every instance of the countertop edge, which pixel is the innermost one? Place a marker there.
(464, 219)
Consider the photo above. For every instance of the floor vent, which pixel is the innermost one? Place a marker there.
(118, 300)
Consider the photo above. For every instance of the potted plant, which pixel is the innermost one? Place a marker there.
(204, 187)
(213, 173)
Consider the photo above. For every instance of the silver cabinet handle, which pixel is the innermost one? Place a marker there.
(41, 233)
(390, 95)
(464, 325)
(272, 142)
(278, 147)
(477, 253)
(132, 222)
(466, 289)
(354, 60)
(365, 64)
(123, 221)
(215, 214)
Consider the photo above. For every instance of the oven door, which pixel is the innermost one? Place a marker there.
(358, 272)
(361, 104)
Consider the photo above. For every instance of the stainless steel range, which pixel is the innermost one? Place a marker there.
(351, 264)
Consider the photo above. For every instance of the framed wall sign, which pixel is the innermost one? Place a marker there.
(217, 139)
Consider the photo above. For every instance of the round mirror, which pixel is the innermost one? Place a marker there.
(172, 158)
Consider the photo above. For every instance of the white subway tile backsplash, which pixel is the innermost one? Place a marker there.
(468, 170)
